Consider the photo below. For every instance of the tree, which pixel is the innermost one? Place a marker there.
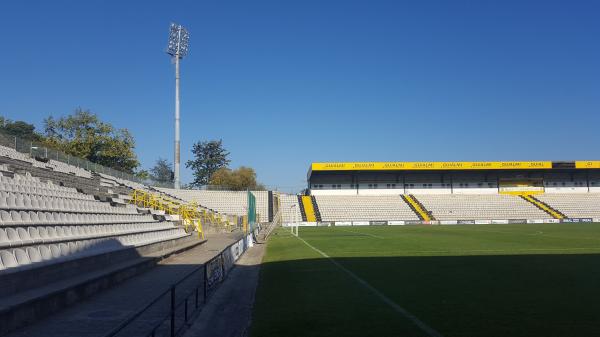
(143, 174)
(19, 129)
(84, 135)
(162, 171)
(209, 156)
(244, 178)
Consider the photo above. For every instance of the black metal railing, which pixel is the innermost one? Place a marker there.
(178, 313)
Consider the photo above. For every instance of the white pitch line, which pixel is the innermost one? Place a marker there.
(359, 233)
(424, 327)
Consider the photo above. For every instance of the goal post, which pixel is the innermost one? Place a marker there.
(294, 230)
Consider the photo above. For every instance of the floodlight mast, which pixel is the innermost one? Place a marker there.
(177, 48)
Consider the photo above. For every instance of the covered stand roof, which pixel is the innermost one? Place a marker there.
(451, 166)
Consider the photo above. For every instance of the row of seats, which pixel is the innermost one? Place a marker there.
(34, 256)
(480, 207)
(43, 223)
(110, 181)
(7, 188)
(19, 236)
(227, 202)
(60, 218)
(364, 208)
(28, 184)
(574, 205)
(289, 208)
(44, 203)
(50, 164)
(444, 207)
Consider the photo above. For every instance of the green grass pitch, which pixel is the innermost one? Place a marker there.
(464, 280)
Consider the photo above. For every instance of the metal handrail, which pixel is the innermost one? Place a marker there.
(171, 290)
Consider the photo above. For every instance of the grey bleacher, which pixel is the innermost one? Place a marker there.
(479, 207)
(227, 202)
(67, 233)
(41, 223)
(364, 208)
(289, 208)
(114, 182)
(573, 205)
(50, 164)
(68, 175)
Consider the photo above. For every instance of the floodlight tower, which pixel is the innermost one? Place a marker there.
(179, 39)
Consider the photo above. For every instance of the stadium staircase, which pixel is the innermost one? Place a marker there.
(316, 208)
(556, 214)
(309, 209)
(417, 207)
(301, 207)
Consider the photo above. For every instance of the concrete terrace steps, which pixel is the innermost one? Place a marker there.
(103, 312)
(30, 306)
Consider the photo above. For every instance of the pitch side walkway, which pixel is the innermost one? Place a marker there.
(101, 313)
(229, 311)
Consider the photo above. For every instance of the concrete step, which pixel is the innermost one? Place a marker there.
(157, 212)
(173, 217)
(30, 306)
(100, 314)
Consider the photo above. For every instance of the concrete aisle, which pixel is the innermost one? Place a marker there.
(99, 314)
(229, 311)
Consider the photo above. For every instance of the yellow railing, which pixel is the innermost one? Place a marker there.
(308, 208)
(190, 214)
(417, 207)
(543, 206)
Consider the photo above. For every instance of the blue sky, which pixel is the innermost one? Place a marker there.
(286, 83)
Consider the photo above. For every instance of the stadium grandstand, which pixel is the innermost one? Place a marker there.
(68, 232)
(82, 229)
(448, 193)
(218, 183)
(229, 202)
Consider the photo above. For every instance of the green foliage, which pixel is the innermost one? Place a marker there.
(143, 174)
(19, 129)
(244, 178)
(209, 156)
(84, 135)
(162, 171)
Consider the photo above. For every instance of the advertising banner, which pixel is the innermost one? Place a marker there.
(465, 222)
(343, 223)
(515, 221)
(469, 165)
(360, 223)
(396, 223)
(448, 222)
(594, 164)
(228, 260)
(500, 222)
(214, 272)
(576, 220)
(483, 222)
(379, 223)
